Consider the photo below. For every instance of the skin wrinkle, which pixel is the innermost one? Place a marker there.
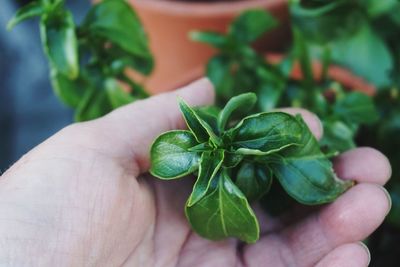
(286, 255)
(294, 239)
(172, 258)
(134, 207)
(189, 235)
(103, 137)
(152, 229)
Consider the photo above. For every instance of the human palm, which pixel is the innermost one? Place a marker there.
(83, 198)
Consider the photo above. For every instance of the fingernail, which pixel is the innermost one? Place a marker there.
(366, 250)
(388, 197)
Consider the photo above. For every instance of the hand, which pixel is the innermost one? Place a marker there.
(82, 198)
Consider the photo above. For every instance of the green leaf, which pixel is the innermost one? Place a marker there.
(271, 87)
(94, 104)
(324, 23)
(201, 129)
(68, 91)
(201, 147)
(117, 96)
(28, 11)
(356, 108)
(269, 96)
(170, 155)
(231, 160)
(251, 24)
(219, 72)
(265, 133)
(301, 51)
(209, 114)
(120, 60)
(215, 39)
(116, 21)
(223, 212)
(241, 103)
(379, 7)
(373, 62)
(210, 163)
(60, 43)
(306, 174)
(337, 136)
(254, 180)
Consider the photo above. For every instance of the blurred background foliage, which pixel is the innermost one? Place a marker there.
(29, 110)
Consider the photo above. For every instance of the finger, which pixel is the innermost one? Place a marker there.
(310, 119)
(353, 216)
(363, 164)
(348, 255)
(129, 131)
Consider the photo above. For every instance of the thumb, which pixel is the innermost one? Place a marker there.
(140, 123)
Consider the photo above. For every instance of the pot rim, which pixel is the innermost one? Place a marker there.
(185, 9)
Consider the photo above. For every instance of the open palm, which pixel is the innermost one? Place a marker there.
(82, 198)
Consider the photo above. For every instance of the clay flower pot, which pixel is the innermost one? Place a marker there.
(335, 73)
(178, 60)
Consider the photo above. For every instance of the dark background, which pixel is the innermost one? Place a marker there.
(29, 111)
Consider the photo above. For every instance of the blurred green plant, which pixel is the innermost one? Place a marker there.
(364, 37)
(238, 68)
(87, 62)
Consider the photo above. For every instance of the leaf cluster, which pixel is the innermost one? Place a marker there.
(235, 162)
(87, 62)
(233, 72)
(238, 68)
(368, 44)
(361, 35)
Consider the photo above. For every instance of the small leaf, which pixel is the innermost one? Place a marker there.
(306, 174)
(120, 59)
(356, 108)
(209, 114)
(223, 212)
(201, 147)
(241, 103)
(210, 163)
(337, 136)
(116, 21)
(60, 43)
(254, 180)
(265, 133)
(94, 104)
(28, 11)
(251, 24)
(201, 129)
(212, 38)
(373, 62)
(170, 155)
(328, 21)
(231, 160)
(269, 96)
(117, 96)
(378, 7)
(68, 91)
(219, 72)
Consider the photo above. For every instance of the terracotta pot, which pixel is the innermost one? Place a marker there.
(178, 59)
(335, 73)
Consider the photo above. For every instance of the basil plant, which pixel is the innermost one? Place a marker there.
(88, 62)
(235, 162)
